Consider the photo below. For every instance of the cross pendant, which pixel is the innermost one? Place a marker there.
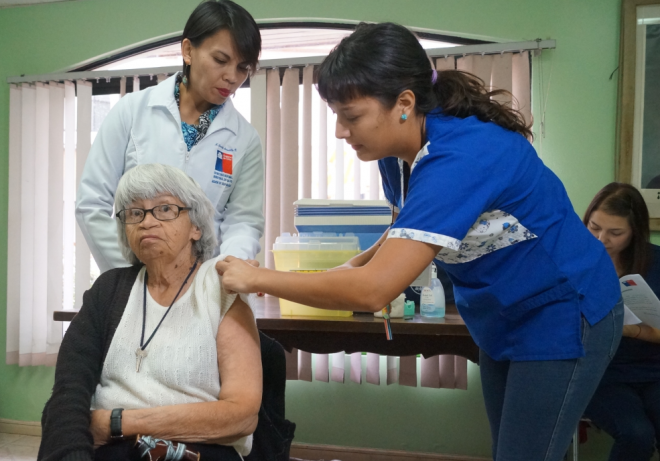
(139, 355)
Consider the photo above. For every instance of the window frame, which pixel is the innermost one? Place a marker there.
(628, 88)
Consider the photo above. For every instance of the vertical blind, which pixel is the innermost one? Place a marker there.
(48, 259)
(50, 126)
(35, 254)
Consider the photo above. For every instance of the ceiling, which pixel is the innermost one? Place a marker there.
(8, 3)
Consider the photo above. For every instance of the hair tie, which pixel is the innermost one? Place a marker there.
(434, 77)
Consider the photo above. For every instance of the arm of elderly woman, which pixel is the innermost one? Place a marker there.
(232, 416)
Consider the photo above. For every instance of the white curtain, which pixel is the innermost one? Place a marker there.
(83, 144)
(69, 225)
(48, 145)
(55, 267)
(505, 71)
(272, 213)
(306, 148)
(34, 263)
(14, 225)
(289, 148)
(258, 119)
(322, 192)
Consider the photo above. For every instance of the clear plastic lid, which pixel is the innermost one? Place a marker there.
(313, 202)
(316, 241)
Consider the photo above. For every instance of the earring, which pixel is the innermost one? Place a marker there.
(186, 66)
(404, 117)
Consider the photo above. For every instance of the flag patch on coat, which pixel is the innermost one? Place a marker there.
(224, 168)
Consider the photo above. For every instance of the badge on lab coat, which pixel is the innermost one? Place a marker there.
(223, 169)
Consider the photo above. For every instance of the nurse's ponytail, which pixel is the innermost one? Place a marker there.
(383, 60)
(462, 94)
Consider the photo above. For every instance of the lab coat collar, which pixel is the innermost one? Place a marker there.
(162, 95)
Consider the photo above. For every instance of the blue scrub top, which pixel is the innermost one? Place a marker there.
(524, 267)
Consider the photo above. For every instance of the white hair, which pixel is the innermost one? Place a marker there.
(145, 182)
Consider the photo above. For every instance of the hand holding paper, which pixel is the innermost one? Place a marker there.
(640, 300)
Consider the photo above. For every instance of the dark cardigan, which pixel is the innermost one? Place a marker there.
(66, 417)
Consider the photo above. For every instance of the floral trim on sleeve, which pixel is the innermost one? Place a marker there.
(426, 237)
(492, 231)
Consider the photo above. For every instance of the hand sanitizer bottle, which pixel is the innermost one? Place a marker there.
(432, 300)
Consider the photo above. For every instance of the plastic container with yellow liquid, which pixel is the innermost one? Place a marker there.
(312, 253)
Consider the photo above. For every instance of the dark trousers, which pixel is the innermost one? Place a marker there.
(533, 407)
(122, 452)
(629, 412)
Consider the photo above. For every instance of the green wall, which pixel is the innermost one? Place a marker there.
(578, 145)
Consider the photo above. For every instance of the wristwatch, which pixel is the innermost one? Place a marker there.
(115, 425)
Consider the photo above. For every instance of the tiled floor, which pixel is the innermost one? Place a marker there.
(18, 447)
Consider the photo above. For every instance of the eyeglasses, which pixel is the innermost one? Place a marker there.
(160, 212)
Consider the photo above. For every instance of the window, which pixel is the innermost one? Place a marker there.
(639, 113)
(283, 42)
(50, 116)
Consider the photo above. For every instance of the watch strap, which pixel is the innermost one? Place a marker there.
(115, 424)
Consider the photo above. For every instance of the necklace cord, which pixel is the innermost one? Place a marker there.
(144, 345)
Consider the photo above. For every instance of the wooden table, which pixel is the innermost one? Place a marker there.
(365, 333)
(359, 333)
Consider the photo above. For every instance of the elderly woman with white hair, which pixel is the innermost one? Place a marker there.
(158, 349)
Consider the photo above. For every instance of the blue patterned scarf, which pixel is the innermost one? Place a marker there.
(192, 134)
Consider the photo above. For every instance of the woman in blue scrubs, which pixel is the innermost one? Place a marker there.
(537, 291)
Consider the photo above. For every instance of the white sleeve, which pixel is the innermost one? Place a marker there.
(242, 220)
(96, 191)
(213, 286)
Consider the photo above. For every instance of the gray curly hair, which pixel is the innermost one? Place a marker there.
(147, 181)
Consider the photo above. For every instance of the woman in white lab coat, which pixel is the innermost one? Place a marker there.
(187, 121)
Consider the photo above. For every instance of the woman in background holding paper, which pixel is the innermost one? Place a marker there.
(627, 402)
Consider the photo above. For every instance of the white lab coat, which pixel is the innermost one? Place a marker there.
(145, 127)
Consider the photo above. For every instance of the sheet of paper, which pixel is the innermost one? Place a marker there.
(640, 299)
(629, 318)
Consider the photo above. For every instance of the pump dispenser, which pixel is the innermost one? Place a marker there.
(432, 300)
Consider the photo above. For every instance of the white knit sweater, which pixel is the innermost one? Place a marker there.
(182, 361)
